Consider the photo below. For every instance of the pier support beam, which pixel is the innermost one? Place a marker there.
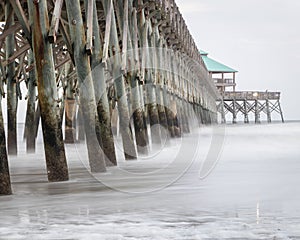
(269, 119)
(12, 99)
(5, 186)
(54, 148)
(280, 111)
(30, 123)
(86, 88)
(119, 81)
(234, 113)
(257, 112)
(70, 108)
(246, 112)
(99, 82)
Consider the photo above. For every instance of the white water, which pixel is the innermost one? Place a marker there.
(252, 193)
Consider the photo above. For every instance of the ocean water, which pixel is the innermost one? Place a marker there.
(226, 182)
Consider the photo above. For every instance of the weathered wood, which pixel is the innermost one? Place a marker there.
(169, 113)
(175, 116)
(246, 117)
(257, 113)
(161, 109)
(86, 88)
(80, 126)
(21, 17)
(119, 84)
(133, 64)
(12, 100)
(16, 54)
(8, 30)
(234, 111)
(161, 78)
(89, 25)
(280, 111)
(37, 118)
(250, 102)
(186, 125)
(55, 21)
(99, 81)
(5, 185)
(148, 59)
(30, 113)
(178, 121)
(70, 106)
(70, 130)
(57, 169)
(251, 95)
(269, 119)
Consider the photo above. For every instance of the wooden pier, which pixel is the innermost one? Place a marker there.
(248, 102)
(235, 102)
(81, 59)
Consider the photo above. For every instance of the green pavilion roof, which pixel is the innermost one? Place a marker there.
(214, 66)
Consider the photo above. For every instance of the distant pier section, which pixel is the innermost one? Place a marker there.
(247, 103)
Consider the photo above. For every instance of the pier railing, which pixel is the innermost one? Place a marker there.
(251, 95)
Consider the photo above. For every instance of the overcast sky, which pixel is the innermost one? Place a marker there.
(259, 38)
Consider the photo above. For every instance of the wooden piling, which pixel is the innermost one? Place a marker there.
(134, 76)
(5, 185)
(86, 88)
(119, 84)
(31, 99)
(12, 99)
(70, 108)
(246, 102)
(99, 82)
(57, 169)
(257, 111)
